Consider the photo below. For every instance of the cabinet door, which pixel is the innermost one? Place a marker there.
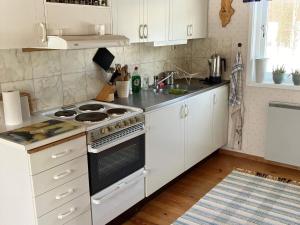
(198, 129)
(198, 11)
(164, 146)
(19, 23)
(156, 19)
(128, 19)
(179, 20)
(220, 117)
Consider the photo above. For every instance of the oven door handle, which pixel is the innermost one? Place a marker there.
(119, 188)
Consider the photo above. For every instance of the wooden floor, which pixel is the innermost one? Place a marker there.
(179, 196)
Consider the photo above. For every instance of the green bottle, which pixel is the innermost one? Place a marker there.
(136, 81)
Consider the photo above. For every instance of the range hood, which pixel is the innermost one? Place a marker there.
(86, 41)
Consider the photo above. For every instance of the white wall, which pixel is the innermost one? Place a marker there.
(256, 98)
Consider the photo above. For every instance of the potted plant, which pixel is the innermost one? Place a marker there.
(296, 77)
(278, 74)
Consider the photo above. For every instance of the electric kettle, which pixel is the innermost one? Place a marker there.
(217, 66)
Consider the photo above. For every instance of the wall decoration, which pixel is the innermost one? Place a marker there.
(226, 12)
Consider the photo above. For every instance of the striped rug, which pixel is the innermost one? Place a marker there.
(245, 197)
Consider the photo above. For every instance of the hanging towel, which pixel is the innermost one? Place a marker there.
(236, 104)
(236, 92)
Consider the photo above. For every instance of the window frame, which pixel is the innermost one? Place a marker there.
(257, 42)
(257, 34)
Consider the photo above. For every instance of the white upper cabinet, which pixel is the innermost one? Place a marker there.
(160, 21)
(128, 19)
(21, 23)
(156, 19)
(141, 20)
(198, 19)
(179, 20)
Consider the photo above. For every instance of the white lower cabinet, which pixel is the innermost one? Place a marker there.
(164, 146)
(181, 135)
(52, 192)
(66, 212)
(220, 116)
(198, 129)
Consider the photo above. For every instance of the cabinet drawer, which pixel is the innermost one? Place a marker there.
(59, 175)
(61, 195)
(56, 155)
(66, 212)
(83, 219)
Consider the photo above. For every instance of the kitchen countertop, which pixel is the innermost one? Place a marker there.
(39, 139)
(148, 100)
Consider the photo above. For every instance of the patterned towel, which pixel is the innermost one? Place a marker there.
(243, 198)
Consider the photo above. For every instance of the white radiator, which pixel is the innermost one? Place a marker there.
(283, 133)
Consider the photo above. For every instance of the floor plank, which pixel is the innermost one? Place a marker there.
(182, 194)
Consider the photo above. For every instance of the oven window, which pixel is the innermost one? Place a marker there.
(116, 163)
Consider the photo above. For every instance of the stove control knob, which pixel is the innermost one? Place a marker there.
(121, 125)
(132, 120)
(104, 130)
(111, 128)
(127, 123)
(138, 119)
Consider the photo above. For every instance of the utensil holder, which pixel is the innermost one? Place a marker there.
(123, 88)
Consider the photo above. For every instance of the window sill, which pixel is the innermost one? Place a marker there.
(275, 86)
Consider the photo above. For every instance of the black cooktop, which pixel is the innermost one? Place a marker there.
(91, 107)
(91, 117)
(66, 113)
(117, 111)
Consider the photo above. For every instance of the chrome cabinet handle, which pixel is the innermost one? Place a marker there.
(182, 112)
(145, 31)
(62, 175)
(215, 99)
(61, 154)
(64, 195)
(186, 111)
(140, 31)
(44, 32)
(66, 214)
(191, 30)
(188, 30)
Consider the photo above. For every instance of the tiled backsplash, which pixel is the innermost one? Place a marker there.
(56, 78)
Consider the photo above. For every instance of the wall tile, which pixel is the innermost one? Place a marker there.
(72, 61)
(45, 63)
(74, 88)
(132, 55)
(15, 65)
(22, 86)
(95, 82)
(202, 48)
(48, 92)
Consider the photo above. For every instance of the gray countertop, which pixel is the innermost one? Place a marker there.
(148, 100)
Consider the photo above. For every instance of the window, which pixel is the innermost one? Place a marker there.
(276, 36)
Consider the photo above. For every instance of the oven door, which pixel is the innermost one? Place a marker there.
(115, 163)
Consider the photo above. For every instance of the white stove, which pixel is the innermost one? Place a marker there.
(94, 114)
(116, 154)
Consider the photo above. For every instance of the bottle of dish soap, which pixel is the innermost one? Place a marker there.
(136, 81)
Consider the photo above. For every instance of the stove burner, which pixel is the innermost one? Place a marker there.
(91, 107)
(91, 117)
(117, 111)
(66, 113)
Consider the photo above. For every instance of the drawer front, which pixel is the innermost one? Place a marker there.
(66, 212)
(59, 175)
(83, 219)
(61, 195)
(57, 155)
